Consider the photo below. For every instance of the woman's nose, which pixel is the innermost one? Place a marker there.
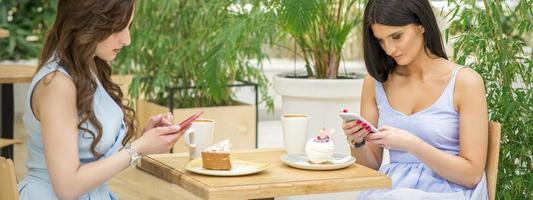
(125, 38)
(389, 48)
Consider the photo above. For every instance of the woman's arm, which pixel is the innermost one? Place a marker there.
(54, 103)
(467, 168)
(370, 154)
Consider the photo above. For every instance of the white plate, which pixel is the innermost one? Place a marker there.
(238, 168)
(301, 161)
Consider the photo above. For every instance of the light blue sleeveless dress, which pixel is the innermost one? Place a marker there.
(37, 184)
(438, 125)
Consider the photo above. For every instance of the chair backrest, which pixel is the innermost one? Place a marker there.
(493, 156)
(8, 182)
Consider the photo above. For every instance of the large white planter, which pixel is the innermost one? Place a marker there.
(322, 100)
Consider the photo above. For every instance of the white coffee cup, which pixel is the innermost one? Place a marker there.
(294, 132)
(199, 136)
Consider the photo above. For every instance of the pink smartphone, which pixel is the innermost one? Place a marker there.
(346, 116)
(187, 122)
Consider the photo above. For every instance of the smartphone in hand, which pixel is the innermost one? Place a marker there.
(346, 116)
(187, 122)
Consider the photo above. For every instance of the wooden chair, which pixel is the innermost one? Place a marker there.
(493, 156)
(8, 182)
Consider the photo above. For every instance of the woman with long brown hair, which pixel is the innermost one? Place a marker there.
(79, 128)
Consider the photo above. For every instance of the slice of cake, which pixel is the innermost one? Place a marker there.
(217, 157)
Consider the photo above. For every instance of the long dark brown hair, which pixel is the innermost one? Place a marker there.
(78, 27)
(397, 13)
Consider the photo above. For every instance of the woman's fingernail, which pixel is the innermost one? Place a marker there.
(358, 122)
(364, 125)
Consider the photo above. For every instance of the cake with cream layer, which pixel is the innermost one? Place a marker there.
(217, 156)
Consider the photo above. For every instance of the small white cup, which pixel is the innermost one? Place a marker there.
(199, 136)
(294, 132)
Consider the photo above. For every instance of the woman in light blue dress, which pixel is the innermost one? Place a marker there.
(431, 113)
(80, 130)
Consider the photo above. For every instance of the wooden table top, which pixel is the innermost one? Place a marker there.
(135, 184)
(278, 180)
(4, 33)
(16, 73)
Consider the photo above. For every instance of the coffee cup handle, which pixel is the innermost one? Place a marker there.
(187, 138)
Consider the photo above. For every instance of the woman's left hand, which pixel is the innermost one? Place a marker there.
(393, 138)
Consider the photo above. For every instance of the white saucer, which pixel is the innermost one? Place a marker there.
(301, 161)
(238, 168)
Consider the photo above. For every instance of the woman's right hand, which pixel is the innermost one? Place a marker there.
(158, 139)
(159, 121)
(355, 131)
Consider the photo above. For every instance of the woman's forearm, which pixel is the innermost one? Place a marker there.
(366, 156)
(90, 176)
(451, 167)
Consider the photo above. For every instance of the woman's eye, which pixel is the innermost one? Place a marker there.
(395, 37)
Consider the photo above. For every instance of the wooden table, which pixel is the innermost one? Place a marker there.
(10, 74)
(135, 184)
(278, 180)
(4, 33)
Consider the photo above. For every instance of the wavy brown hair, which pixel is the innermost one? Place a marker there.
(79, 26)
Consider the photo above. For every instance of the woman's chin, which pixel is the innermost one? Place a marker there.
(109, 58)
(401, 62)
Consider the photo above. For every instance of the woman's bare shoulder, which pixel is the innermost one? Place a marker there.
(469, 88)
(56, 82)
(469, 78)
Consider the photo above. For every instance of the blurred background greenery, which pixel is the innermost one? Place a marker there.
(203, 44)
(28, 22)
(490, 37)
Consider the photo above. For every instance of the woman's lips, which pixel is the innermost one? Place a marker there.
(396, 57)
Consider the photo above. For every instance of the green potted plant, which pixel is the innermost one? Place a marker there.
(492, 37)
(320, 29)
(188, 44)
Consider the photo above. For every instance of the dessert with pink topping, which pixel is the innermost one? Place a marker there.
(319, 149)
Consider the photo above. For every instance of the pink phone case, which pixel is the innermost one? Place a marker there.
(353, 117)
(189, 120)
